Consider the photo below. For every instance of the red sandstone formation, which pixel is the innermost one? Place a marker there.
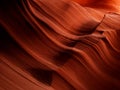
(59, 45)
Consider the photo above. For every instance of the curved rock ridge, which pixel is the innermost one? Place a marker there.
(58, 45)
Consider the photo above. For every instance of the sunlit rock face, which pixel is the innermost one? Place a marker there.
(59, 45)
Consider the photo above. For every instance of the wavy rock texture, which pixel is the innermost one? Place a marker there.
(58, 45)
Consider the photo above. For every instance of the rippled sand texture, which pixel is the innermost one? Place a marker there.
(58, 45)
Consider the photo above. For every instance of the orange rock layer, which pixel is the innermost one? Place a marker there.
(58, 45)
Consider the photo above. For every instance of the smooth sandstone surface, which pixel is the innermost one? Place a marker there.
(59, 45)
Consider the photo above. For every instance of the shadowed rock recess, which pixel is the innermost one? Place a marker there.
(59, 45)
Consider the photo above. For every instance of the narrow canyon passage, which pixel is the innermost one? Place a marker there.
(59, 45)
